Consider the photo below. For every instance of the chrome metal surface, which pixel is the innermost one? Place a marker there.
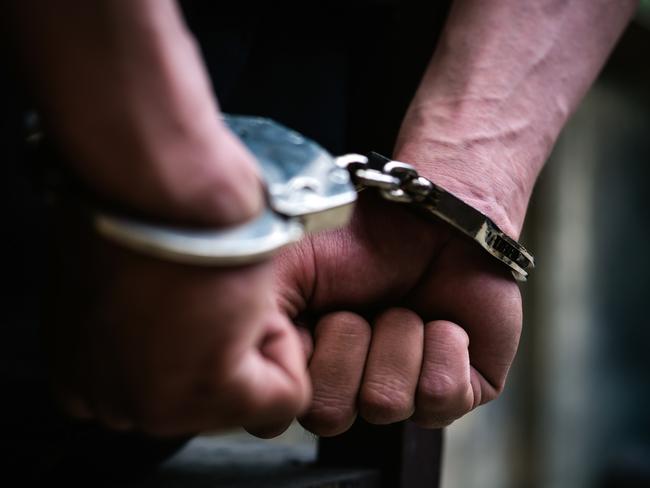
(303, 180)
(376, 179)
(239, 245)
(347, 161)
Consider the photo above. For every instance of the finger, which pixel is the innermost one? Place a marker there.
(490, 312)
(444, 389)
(263, 391)
(336, 369)
(278, 387)
(393, 366)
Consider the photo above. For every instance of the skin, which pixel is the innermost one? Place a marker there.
(405, 318)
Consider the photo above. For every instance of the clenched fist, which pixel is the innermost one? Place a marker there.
(406, 319)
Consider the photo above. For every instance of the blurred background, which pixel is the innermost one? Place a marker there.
(576, 410)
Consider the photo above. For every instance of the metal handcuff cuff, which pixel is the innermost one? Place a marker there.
(308, 190)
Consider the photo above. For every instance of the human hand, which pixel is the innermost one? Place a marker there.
(169, 349)
(134, 342)
(138, 343)
(410, 319)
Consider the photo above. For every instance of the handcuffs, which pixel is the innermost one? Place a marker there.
(308, 190)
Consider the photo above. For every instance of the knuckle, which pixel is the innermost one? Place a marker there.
(439, 389)
(343, 325)
(448, 336)
(397, 316)
(326, 419)
(380, 403)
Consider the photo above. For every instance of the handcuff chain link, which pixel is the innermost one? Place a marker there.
(396, 181)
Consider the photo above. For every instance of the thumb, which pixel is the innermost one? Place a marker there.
(279, 388)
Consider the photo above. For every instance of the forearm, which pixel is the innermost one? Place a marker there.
(503, 81)
(70, 49)
(121, 85)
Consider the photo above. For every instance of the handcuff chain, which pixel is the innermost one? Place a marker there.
(396, 181)
(400, 182)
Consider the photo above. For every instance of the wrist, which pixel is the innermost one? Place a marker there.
(479, 171)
